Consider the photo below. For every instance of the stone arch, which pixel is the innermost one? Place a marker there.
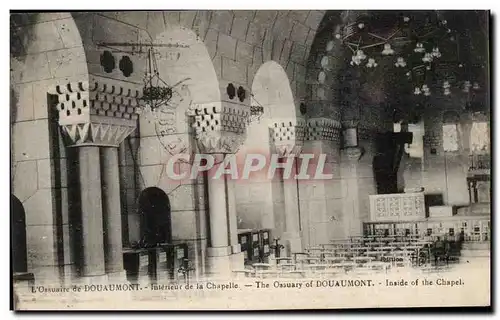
(256, 199)
(46, 50)
(154, 211)
(271, 89)
(189, 69)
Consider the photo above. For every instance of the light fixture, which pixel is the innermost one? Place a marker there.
(256, 110)
(400, 62)
(467, 86)
(427, 57)
(358, 57)
(371, 63)
(435, 52)
(387, 50)
(156, 92)
(361, 54)
(330, 44)
(322, 77)
(425, 88)
(413, 38)
(419, 47)
(325, 62)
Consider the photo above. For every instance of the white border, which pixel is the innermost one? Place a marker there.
(185, 4)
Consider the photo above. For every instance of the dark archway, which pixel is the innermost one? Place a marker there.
(18, 236)
(156, 222)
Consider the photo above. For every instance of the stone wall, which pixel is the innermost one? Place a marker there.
(46, 50)
(442, 174)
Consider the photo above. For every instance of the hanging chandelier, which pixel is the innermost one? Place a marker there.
(411, 43)
(156, 91)
(366, 41)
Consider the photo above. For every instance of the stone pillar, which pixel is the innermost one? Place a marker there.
(91, 212)
(287, 138)
(220, 131)
(352, 216)
(320, 199)
(219, 249)
(95, 115)
(292, 226)
(111, 211)
(237, 257)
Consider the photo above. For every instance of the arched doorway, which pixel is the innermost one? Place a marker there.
(18, 236)
(156, 222)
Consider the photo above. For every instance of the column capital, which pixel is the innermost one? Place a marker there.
(323, 129)
(348, 124)
(287, 136)
(219, 128)
(353, 154)
(97, 111)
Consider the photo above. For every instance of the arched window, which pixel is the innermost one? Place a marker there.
(480, 138)
(450, 131)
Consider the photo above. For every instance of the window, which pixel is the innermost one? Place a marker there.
(479, 137)
(450, 137)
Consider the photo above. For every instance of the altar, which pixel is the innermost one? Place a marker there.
(397, 206)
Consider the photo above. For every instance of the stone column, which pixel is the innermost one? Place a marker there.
(287, 139)
(352, 219)
(290, 197)
(217, 205)
(218, 252)
(112, 211)
(91, 212)
(219, 132)
(320, 199)
(95, 115)
(237, 258)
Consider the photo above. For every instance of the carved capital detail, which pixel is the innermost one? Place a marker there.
(216, 143)
(288, 150)
(100, 112)
(354, 153)
(287, 136)
(219, 128)
(95, 134)
(323, 129)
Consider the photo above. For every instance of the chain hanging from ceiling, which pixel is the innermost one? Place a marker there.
(156, 91)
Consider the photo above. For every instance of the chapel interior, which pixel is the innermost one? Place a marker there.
(398, 101)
